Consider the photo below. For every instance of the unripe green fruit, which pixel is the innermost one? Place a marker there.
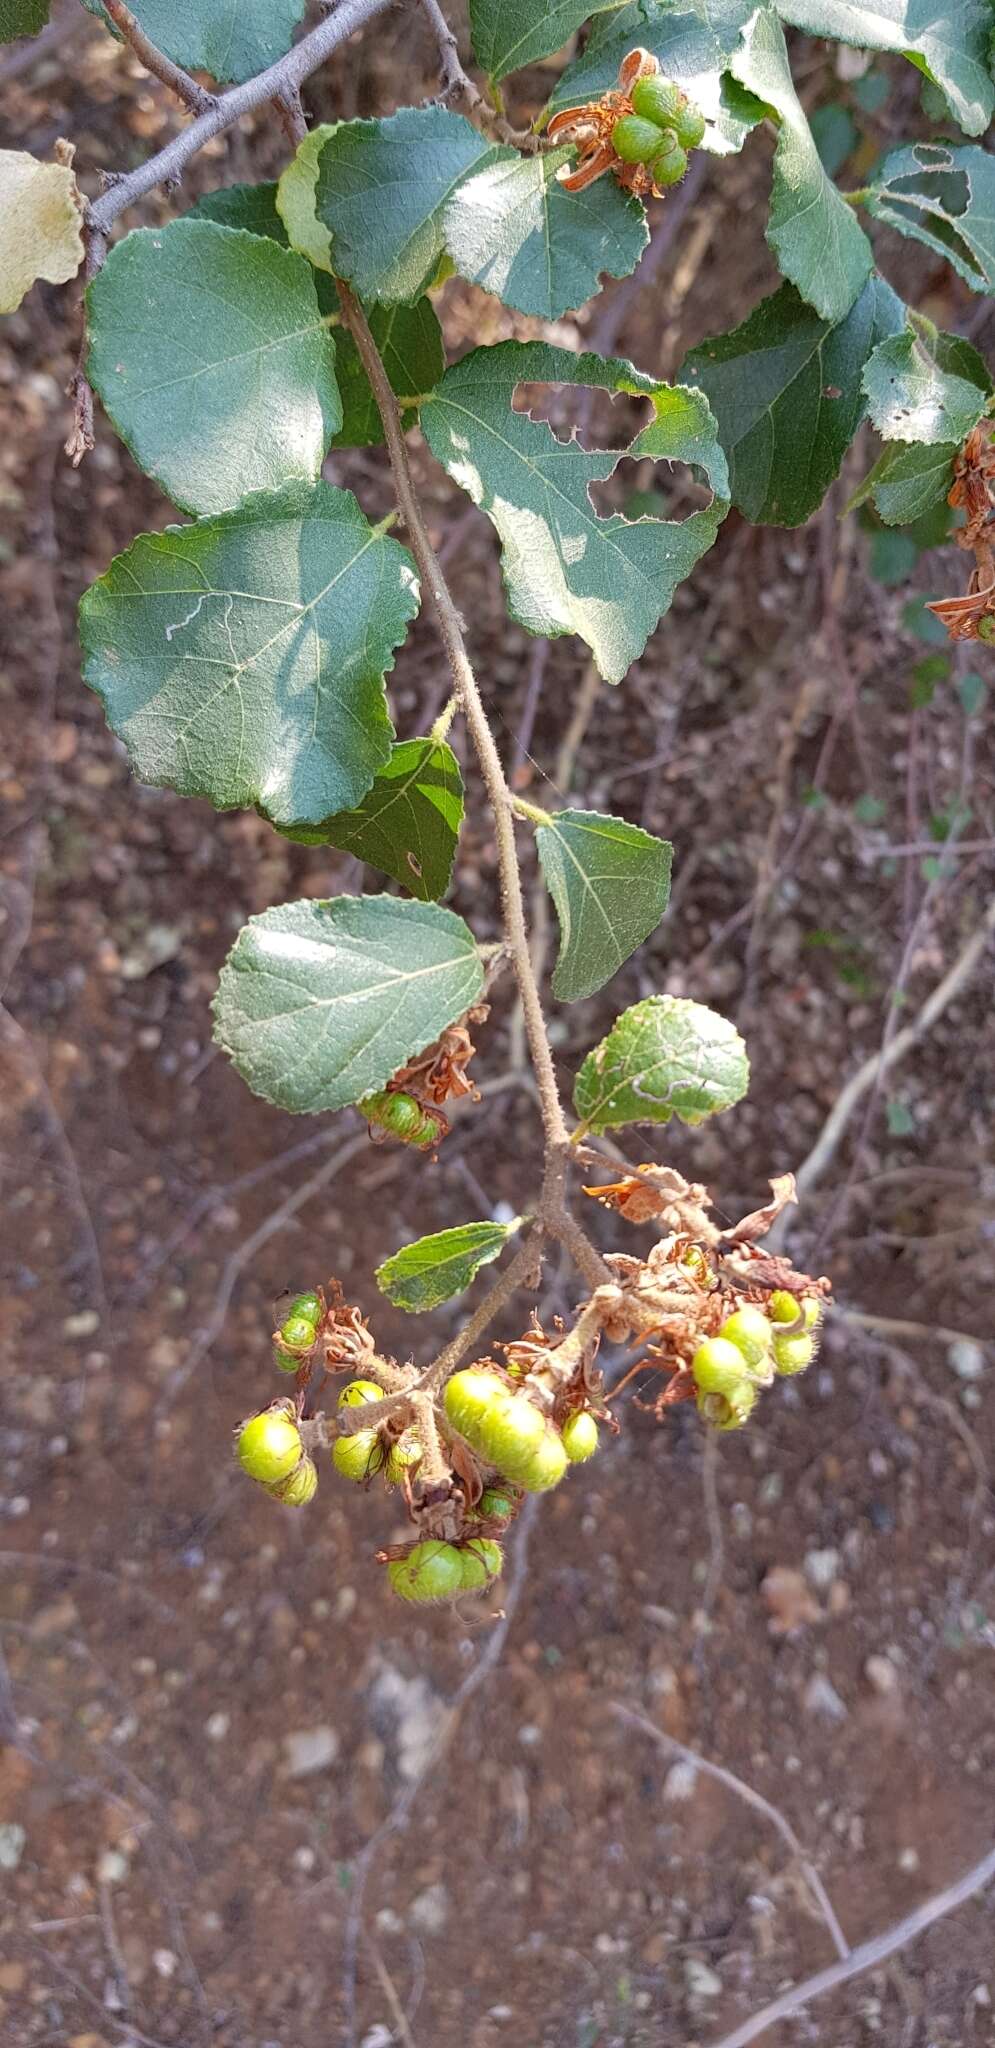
(481, 1561)
(689, 125)
(358, 1391)
(728, 1411)
(669, 166)
(505, 1428)
(635, 141)
(751, 1333)
(718, 1366)
(657, 99)
(269, 1446)
(431, 1571)
(307, 1305)
(403, 1454)
(580, 1437)
(286, 1361)
(783, 1307)
(402, 1115)
(301, 1487)
(793, 1354)
(986, 629)
(495, 1506)
(298, 1333)
(358, 1455)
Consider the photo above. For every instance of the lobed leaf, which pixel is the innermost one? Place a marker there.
(382, 189)
(610, 882)
(434, 1269)
(951, 42)
(243, 658)
(926, 387)
(41, 216)
(820, 246)
(318, 1004)
(664, 1057)
(210, 354)
(692, 43)
(409, 338)
(942, 195)
(21, 18)
(408, 824)
(232, 39)
(785, 389)
(512, 229)
(567, 570)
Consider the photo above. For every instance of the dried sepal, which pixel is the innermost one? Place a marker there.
(972, 615)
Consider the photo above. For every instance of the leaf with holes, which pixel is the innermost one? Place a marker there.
(232, 39)
(434, 1269)
(949, 41)
(41, 217)
(610, 882)
(508, 34)
(408, 824)
(906, 483)
(692, 45)
(382, 190)
(568, 570)
(785, 390)
(512, 229)
(818, 243)
(409, 338)
(665, 1057)
(926, 387)
(243, 658)
(942, 195)
(21, 18)
(209, 351)
(320, 1003)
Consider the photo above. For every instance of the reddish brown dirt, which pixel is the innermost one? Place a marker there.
(549, 1878)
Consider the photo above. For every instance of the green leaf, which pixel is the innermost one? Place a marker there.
(508, 34)
(906, 483)
(209, 352)
(951, 40)
(232, 39)
(408, 823)
(21, 18)
(436, 1268)
(665, 1057)
(382, 190)
(785, 390)
(925, 387)
(692, 44)
(836, 135)
(819, 244)
(409, 338)
(568, 570)
(242, 658)
(944, 196)
(610, 882)
(512, 229)
(318, 1004)
(297, 199)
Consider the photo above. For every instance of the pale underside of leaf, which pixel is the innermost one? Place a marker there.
(318, 1004)
(665, 1057)
(41, 217)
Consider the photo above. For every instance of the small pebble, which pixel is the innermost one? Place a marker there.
(216, 1727)
(821, 1567)
(822, 1698)
(701, 1981)
(429, 1912)
(12, 1841)
(680, 1781)
(880, 1673)
(310, 1750)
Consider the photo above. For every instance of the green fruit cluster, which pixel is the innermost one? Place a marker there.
(506, 1429)
(663, 126)
(269, 1448)
(298, 1332)
(440, 1571)
(749, 1350)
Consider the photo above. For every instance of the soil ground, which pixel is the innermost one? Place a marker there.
(245, 1799)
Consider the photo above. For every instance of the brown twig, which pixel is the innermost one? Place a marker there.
(458, 85)
(867, 1957)
(194, 96)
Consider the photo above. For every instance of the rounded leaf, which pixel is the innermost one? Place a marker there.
(320, 1003)
(664, 1057)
